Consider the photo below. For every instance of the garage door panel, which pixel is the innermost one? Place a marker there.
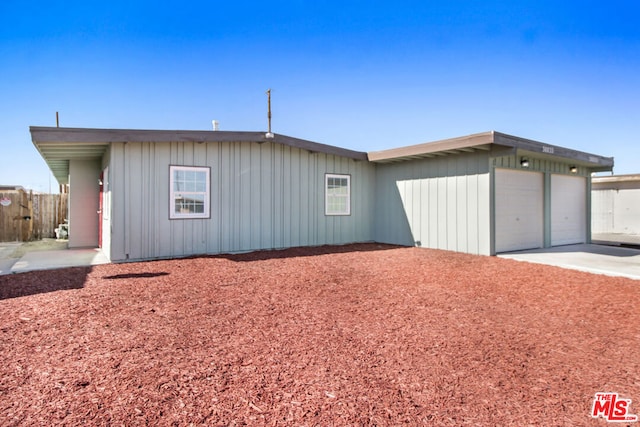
(519, 210)
(568, 210)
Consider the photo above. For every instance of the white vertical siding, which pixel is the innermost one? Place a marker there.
(440, 203)
(627, 211)
(443, 217)
(602, 207)
(263, 196)
(616, 211)
(483, 206)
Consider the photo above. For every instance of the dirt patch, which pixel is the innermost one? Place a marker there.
(354, 335)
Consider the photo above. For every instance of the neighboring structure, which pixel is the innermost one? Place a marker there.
(616, 209)
(11, 188)
(177, 193)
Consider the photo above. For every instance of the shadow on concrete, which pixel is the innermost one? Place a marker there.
(40, 282)
(598, 259)
(599, 249)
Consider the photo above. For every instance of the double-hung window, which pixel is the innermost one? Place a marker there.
(189, 192)
(337, 194)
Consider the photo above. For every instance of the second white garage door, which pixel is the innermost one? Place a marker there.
(568, 210)
(518, 210)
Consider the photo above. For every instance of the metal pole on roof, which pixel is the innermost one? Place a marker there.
(57, 120)
(269, 134)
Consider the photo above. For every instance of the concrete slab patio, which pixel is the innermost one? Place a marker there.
(7, 249)
(59, 259)
(598, 259)
(19, 257)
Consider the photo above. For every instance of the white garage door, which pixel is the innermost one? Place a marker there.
(568, 210)
(519, 210)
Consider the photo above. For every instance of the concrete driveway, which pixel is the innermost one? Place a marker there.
(598, 259)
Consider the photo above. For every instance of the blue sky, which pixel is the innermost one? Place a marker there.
(364, 75)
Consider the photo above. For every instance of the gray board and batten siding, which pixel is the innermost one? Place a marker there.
(263, 196)
(440, 202)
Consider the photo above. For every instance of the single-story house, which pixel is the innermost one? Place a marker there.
(145, 194)
(616, 208)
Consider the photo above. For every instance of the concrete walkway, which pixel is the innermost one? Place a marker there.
(598, 259)
(6, 261)
(47, 259)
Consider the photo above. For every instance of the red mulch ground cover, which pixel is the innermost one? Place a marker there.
(354, 335)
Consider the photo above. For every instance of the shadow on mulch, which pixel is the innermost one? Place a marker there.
(305, 251)
(135, 275)
(40, 282)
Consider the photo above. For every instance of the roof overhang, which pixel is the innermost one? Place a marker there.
(470, 143)
(616, 182)
(617, 178)
(60, 145)
(58, 150)
(492, 141)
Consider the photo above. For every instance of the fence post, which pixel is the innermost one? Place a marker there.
(30, 215)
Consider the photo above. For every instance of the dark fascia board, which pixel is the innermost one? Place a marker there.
(469, 141)
(86, 136)
(497, 141)
(44, 137)
(589, 160)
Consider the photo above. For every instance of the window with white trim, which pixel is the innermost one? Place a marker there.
(337, 194)
(189, 192)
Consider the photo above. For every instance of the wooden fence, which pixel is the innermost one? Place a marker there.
(25, 216)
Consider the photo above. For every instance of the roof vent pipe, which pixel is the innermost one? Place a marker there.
(215, 124)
